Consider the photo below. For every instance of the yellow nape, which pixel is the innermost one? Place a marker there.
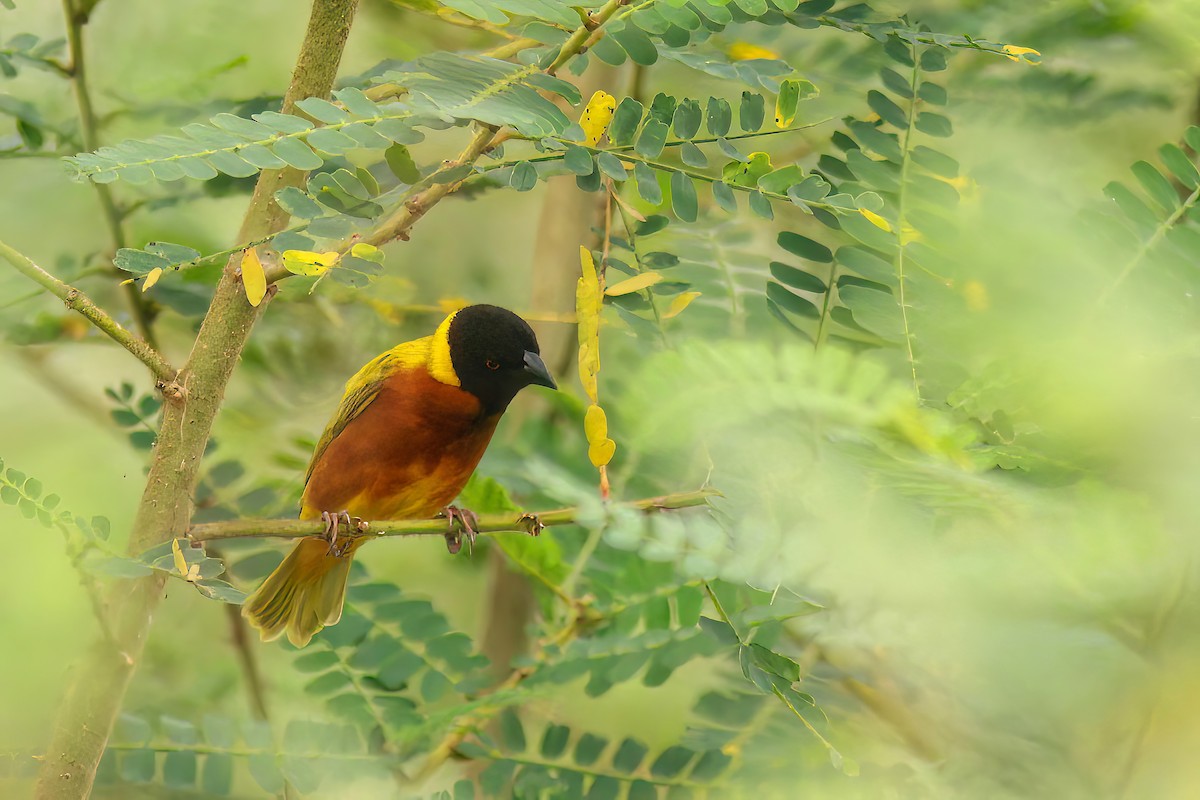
(441, 367)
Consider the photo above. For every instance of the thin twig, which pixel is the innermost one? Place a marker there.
(77, 13)
(80, 302)
(488, 523)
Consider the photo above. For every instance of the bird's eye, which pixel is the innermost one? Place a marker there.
(491, 364)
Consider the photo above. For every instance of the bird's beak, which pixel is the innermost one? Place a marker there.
(535, 368)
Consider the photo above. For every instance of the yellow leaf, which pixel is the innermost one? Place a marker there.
(180, 562)
(634, 284)
(254, 280)
(679, 303)
(1015, 53)
(306, 262)
(744, 51)
(595, 424)
(601, 453)
(152, 278)
(597, 115)
(876, 220)
(909, 234)
(588, 301)
(976, 295)
(127, 281)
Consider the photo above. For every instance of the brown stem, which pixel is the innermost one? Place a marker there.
(488, 523)
(250, 672)
(98, 685)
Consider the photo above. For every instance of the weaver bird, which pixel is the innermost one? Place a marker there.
(409, 432)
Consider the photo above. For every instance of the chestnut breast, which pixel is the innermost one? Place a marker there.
(407, 455)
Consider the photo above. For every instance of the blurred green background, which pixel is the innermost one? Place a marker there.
(1036, 625)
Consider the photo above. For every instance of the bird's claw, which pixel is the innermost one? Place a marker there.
(333, 521)
(462, 522)
(531, 524)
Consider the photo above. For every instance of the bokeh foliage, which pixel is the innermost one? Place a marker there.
(919, 304)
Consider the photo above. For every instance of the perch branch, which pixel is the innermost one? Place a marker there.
(488, 523)
(78, 301)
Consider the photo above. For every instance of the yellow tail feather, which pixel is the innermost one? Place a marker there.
(304, 593)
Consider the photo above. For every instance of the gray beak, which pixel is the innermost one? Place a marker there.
(535, 368)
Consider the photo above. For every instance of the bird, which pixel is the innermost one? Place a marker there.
(411, 427)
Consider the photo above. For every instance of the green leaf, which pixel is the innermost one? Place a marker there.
(719, 630)
(554, 740)
(782, 179)
(1180, 165)
(932, 93)
(137, 766)
(652, 138)
(797, 278)
(578, 160)
(512, 733)
(724, 197)
(636, 43)
(647, 183)
(775, 663)
(524, 176)
(934, 124)
(402, 165)
(760, 205)
(748, 173)
(687, 119)
(611, 166)
(683, 197)
(791, 92)
(804, 247)
(629, 755)
(138, 262)
(932, 60)
(1157, 187)
(751, 112)
(896, 82)
(887, 110)
(298, 204)
(671, 761)
(297, 154)
(790, 302)
(719, 116)
(588, 749)
(692, 155)
(625, 121)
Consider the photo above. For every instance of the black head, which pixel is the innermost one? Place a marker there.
(495, 355)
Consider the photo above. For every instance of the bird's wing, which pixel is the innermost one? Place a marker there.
(363, 388)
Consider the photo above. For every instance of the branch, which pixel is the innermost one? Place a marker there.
(397, 226)
(78, 301)
(97, 689)
(488, 523)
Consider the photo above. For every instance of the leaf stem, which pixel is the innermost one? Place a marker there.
(901, 208)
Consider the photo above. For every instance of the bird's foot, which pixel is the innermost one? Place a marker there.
(333, 522)
(531, 524)
(462, 522)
